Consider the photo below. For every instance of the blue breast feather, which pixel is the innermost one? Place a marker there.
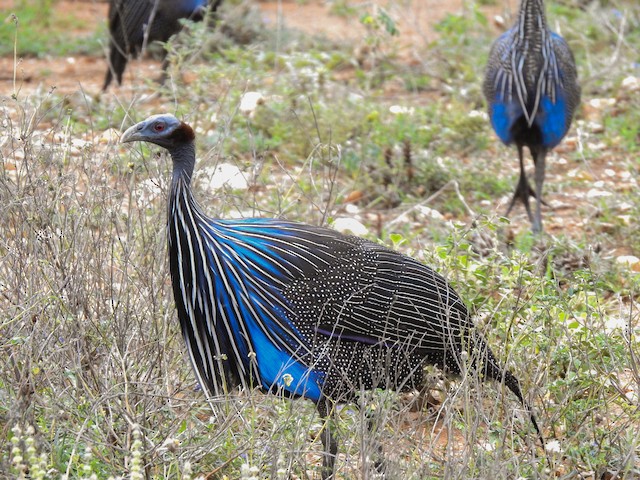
(246, 269)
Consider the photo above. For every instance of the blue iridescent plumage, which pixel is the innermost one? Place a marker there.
(304, 310)
(532, 92)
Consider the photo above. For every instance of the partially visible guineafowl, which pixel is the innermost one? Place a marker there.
(532, 90)
(305, 310)
(136, 23)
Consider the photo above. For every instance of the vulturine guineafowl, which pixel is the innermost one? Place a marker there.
(305, 310)
(532, 90)
(136, 23)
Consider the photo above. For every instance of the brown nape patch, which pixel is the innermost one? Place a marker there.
(184, 134)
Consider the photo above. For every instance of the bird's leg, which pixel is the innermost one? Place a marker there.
(108, 77)
(539, 154)
(325, 409)
(523, 190)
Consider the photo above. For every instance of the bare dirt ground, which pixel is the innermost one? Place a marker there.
(570, 211)
(312, 17)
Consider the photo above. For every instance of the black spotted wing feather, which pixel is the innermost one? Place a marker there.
(375, 296)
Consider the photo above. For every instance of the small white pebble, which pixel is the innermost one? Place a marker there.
(595, 193)
(250, 101)
(499, 20)
(350, 225)
(615, 323)
(553, 446)
(628, 260)
(595, 127)
(479, 114)
(223, 174)
(430, 212)
(488, 447)
(351, 209)
(398, 109)
(631, 83)
(599, 103)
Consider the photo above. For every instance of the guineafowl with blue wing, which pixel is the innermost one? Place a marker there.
(303, 310)
(134, 24)
(532, 90)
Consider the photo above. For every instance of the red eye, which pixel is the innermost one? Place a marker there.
(158, 127)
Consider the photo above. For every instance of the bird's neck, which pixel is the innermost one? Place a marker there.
(184, 160)
(532, 22)
(181, 195)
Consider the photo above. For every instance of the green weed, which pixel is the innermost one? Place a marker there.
(39, 29)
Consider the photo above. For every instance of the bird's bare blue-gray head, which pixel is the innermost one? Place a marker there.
(166, 131)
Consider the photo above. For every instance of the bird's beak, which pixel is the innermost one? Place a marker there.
(133, 133)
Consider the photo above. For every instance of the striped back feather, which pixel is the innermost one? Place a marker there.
(531, 73)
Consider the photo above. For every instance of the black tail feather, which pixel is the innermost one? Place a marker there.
(512, 384)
